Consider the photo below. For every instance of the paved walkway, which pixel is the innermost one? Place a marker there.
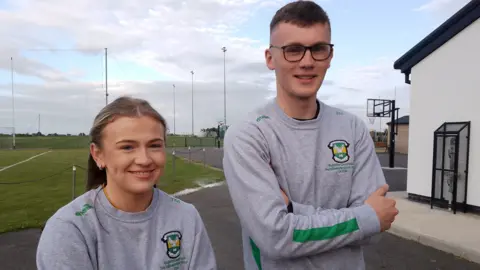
(17, 249)
(457, 234)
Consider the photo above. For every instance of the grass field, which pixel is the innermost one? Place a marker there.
(73, 142)
(30, 204)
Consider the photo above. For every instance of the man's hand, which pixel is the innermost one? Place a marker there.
(384, 207)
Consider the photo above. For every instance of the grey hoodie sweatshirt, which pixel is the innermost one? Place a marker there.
(89, 233)
(327, 166)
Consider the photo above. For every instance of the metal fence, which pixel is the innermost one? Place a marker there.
(197, 155)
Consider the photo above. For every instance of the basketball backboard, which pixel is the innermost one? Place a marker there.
(379, 107)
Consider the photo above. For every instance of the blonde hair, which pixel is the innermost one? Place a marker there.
(122, 106)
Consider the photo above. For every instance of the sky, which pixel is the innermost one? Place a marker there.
(57, 51)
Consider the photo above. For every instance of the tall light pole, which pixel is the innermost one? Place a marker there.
(106, 78)
(174, 114)
(13, 106)
(192, 105)
(224, 49)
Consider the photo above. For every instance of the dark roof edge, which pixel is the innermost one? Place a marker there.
(404, 120)
(451, 27)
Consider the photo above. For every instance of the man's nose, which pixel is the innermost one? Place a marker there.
(307, 60)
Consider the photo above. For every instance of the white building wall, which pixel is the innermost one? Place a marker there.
(445, 87)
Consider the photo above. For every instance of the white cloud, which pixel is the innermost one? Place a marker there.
(72, 109)
(441, 10)
(170, 36)
(376, 80)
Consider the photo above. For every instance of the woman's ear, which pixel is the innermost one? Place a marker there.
(97, 155)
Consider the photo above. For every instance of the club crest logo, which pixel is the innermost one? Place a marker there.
(173, 242)
(339, 150)
(84, 210)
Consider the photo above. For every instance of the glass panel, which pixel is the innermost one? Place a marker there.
(439, 152)
(440, 128)
(447, 186)
(449, 127)
(454, 127)
(438, 184)
(462, 166)
(449, 165)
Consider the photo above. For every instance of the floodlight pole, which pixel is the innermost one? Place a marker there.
(224, 49)
(174, 113)
(13, 106)
(193, 133)
(106, 78)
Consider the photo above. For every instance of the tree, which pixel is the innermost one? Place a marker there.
(209, 132)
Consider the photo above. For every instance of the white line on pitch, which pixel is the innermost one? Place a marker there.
(28, 159)
(192, 190)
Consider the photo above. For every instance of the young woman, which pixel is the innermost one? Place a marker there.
(123, 221)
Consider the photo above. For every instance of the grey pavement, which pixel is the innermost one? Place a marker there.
(17, 249)
(213, 156)
(400, 160)
(396, 179)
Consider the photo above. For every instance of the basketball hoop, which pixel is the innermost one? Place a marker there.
(371, 120)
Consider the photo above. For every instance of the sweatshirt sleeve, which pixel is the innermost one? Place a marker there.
(368, 174)
(257, 199)
(367, 177)
(203, 256)
(62, 246)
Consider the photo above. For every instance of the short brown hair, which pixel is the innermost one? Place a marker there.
(300, 13)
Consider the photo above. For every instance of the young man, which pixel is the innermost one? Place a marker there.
(303, 176)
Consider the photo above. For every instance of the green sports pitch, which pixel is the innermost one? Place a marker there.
(36, 181)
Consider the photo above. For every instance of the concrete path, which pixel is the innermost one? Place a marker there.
(17, 249)
(457, 234)
(401, 160)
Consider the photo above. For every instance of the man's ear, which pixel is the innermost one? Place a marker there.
(269, 60)
(331, 57)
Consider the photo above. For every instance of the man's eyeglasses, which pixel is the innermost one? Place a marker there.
(295, 53)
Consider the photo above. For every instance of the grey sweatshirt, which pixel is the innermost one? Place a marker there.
(89, 233)
(327, 167)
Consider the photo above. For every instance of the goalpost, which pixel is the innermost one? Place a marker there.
(7, 137)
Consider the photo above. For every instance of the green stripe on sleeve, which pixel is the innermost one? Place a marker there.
(256, 254)
(325, 233)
